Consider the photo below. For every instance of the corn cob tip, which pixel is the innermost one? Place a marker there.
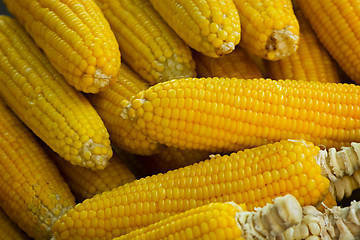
(94, 158)
(225, 48)
(280, 43)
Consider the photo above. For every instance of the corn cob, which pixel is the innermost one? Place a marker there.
(61, 116)
(146, 42)
(169, 159)
(335, 223)
(253, 177)
(226, 221)
(335, 24)
(311, 62)
(223, 114)
(85, 183)
(108, 105)
(236, 64)
(33, 193)
(269, 29)
(9, 230)
(76, 38)
(210, 27)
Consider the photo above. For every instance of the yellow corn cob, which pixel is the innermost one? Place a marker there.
(253, 177)
(269, 29)
(223, 114)
(108, 104)
(85, 183)
(33, 193)
(335, 24)
(210, 27)
(226, 221)
(76, 38)
(9, 230)
(311, 62)
(61, 116)
(146, 42)
(169, 158)
(236, 64)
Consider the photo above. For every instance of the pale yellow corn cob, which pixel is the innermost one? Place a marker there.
(210, 27)
(253, 177)
(311, 62)
(76, 38)
(223, 114)
(335, 22)
(226, 221)
(61, 116)
(269, 29)
(146, 42)
(335, 223)
(85, 183)
(236, 64)
(9, 230)
(32, 192)
(108, 104)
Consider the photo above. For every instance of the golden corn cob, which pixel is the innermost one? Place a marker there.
(169, 158)
(76, 38)
(226, 221)
(236, 64)
(33, 193)
(210, 27)
(108, 105)
(61, 116)
(311, 62)
(253, 177)
(335, 24)
(9, 230)
(85, 183)
(223, 114)
(269, 29)
(146, 42)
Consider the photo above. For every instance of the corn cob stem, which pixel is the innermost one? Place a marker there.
(335, 223)
(271, 220)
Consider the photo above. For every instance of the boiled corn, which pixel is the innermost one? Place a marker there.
(108, 104)
(210, 27)
(33, 193)
(223, 114)
(61, 116)
(335, 22)
(227, 221)
(146, 42)
(311, 62)
(253, 177)
(76, 38)
(269, 29)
